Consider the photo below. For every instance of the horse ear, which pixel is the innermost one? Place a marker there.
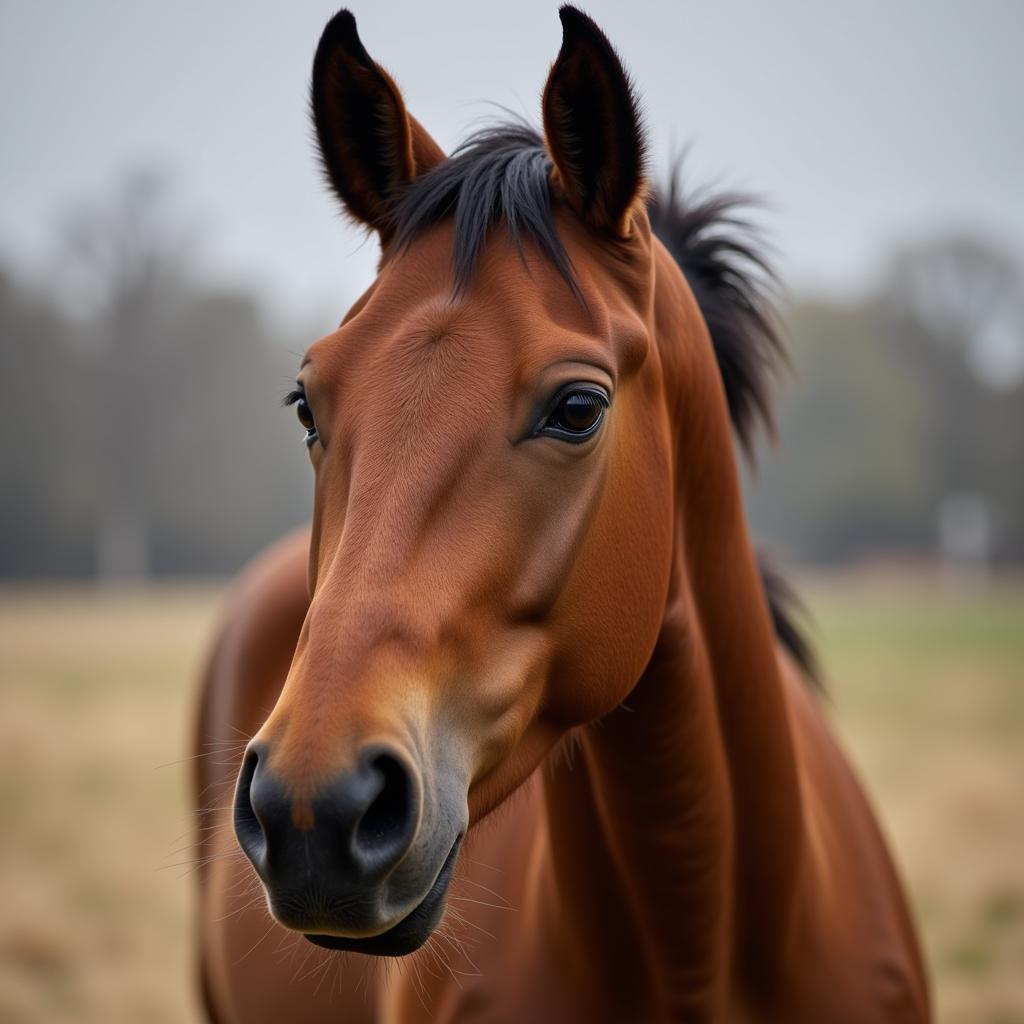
(369, 144)
(592, 126)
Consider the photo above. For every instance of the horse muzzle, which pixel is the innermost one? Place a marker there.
(363, 864)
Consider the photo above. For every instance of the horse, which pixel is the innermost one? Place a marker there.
(528, 733)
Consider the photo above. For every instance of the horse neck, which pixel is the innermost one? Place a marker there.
(690, 786)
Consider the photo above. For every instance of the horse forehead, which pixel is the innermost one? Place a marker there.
(424, 355)
(497, 337)
(413, 329)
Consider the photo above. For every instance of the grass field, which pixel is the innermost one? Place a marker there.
(96, 696)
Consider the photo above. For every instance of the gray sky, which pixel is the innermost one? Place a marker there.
(862, 122)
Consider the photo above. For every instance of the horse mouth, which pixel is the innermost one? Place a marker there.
(412, 931)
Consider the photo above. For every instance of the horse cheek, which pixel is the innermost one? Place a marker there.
(613, 606)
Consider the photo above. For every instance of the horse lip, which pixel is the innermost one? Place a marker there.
(410, 931)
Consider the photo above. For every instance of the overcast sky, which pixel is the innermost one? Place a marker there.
(863, 122)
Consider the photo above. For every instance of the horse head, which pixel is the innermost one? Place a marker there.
(494, 432)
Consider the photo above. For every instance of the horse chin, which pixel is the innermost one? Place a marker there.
(408, 934)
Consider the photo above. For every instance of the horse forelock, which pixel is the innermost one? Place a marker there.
(500, 174)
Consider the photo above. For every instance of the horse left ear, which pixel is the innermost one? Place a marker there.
(593, 128)
(369, 143)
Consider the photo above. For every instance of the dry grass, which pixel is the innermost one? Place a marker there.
(928, 693)
(95, 695)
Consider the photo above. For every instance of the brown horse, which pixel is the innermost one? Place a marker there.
(515, 701)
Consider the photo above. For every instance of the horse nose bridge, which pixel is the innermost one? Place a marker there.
(375, 616)
(358, 681)
(406, 517)
(315, 734)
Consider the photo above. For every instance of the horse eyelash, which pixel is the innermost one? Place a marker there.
(293, 396)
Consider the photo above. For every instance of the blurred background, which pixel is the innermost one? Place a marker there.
(167, 250)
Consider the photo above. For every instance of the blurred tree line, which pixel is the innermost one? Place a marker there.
(906, 406)
(143, 433)
(141, 430)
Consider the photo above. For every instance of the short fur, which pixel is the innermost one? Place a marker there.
(502, 175)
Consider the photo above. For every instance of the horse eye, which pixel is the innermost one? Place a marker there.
(577, 415)
(305, 414)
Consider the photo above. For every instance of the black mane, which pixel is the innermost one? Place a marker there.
(502, 174)
(722, 259)
(789, 616)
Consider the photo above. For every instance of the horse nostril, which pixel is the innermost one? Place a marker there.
(362, 824)
(385, 827)
(248, 827)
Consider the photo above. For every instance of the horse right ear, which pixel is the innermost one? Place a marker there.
(369, 144)
(592, 127)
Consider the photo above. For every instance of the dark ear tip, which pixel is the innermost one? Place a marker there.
(343, 23)
(341, 31)
(575, 24)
